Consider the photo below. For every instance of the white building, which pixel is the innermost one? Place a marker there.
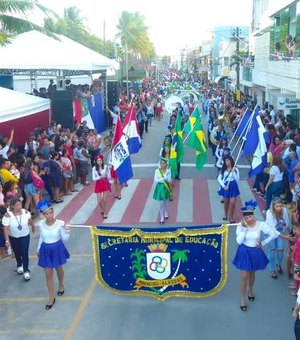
(274, 77)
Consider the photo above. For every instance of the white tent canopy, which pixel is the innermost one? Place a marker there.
(16, 105)
(36, 51)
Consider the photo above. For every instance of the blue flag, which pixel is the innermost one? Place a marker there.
(242, 127)
(120, 157)
(256, 145)
(131, 132)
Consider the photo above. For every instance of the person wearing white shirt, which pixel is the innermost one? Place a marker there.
(250, 256)
(31, 142)
(272, 114)
(162, 191)
(278, 218)
(292, 147)
(51, 251)
(101, 175)
(229, 190)
(4, 148)
(17, 234)
(114, 116)
(274, 186)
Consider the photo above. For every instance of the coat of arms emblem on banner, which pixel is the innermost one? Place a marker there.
(158, 262)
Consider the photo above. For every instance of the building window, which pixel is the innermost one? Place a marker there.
(284, 35)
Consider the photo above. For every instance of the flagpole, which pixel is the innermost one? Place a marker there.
(187, 136)
(130, 115)
(112, 140)
(231, 140)
(245, 127)
(79, 226)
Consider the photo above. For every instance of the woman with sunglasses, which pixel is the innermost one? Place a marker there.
(250, 255)
(17, 234)
(277, 217)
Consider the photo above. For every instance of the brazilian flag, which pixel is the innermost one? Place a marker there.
(195, 136)
(176, 148)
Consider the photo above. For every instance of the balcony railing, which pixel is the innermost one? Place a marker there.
(284, 56)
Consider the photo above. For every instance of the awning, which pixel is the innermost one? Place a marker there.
(218, 78)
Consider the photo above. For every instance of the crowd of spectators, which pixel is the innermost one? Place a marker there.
(51, 162)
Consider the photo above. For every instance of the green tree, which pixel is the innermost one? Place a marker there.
(133, 34)
(72, 26)
(73, 15)
(11, 21)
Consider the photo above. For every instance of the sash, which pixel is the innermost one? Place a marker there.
(224, 180)
(165, 182)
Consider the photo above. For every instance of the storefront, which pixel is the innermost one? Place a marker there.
(290, 107)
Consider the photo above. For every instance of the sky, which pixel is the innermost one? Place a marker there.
(172, 27)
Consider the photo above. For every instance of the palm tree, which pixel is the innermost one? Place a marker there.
(137, 47)
(134, 34)
(11, 21)
(178, 256)
(73, 15)
(72, 26)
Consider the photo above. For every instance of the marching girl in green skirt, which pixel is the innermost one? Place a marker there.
(165, 153)
(162, 192)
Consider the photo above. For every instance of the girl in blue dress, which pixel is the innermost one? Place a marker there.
(229, 190)
(51, 250)
(250, 255)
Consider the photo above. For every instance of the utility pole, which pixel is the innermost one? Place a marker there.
(211, 67)
(104, 37)
(236, 34)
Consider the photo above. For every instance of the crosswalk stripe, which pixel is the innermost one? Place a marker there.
(73, 203)
(185, 201)
(215, 201)
(67, 199)
(150, 212)
(85, 211)
(120, 206)
(173, 206)
(137, 203)
(195, 201)
(201, 208)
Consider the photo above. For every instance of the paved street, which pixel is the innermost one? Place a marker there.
(89, 311)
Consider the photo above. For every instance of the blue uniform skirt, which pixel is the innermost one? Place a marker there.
(53, 255)
(250, 258)
(233, 190)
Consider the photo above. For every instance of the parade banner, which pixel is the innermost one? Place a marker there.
(161, 262)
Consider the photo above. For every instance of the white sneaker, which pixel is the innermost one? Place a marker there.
(26, 276)
(20, 270)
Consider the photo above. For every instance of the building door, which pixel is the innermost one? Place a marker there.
(294, 117)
